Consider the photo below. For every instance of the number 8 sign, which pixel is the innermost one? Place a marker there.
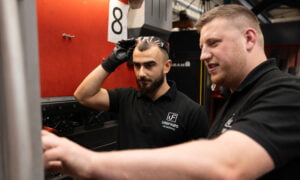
(117, 20)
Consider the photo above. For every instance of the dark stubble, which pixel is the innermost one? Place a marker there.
(154, 85)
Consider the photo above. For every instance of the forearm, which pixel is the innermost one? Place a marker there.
(91, 85)
(177, 162)
(226, 157)
(233, 155)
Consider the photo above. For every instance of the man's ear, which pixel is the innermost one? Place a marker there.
(251, 38)
(168, 66)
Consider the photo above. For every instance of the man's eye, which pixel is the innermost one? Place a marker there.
(137, 66)
(149, 65)
(213, 43)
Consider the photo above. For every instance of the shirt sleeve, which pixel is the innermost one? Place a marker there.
(116, 97)
(273, 120)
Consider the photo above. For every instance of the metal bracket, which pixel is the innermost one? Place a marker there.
(65, 35)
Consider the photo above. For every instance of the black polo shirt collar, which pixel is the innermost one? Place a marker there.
(256, 73)
(170, 94)
(233, 104)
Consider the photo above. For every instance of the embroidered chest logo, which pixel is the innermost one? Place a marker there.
(170, 122)
(228, 123)
(172, 117)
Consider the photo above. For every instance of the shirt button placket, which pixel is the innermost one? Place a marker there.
(150, 110)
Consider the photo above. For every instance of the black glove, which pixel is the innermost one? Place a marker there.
(121, 53)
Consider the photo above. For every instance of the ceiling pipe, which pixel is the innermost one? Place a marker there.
(261, 17)
(189, 6)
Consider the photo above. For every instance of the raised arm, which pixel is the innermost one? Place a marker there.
(89, 92)
(233, 155)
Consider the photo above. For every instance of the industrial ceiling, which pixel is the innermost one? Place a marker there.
(267, 11)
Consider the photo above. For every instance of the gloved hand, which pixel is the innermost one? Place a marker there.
(121, 53)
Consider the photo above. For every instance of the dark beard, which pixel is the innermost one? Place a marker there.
(153, 87)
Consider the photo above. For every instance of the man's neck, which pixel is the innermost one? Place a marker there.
(254, 61)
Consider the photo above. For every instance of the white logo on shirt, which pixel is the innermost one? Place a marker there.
(170, 122)
(228, 124)
(172, 117)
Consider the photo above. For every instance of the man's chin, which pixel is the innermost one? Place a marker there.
(146, 90)
(143, 85)
(214, 79)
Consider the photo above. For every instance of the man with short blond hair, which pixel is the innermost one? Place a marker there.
(256, 134)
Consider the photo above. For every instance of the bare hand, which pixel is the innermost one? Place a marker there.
(63, 155)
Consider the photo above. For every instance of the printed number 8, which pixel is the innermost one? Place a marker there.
(117, 20)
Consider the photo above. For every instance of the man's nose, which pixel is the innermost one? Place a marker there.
(205, 54)
(142, 71)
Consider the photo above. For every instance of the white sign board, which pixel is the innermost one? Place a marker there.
(117, 21)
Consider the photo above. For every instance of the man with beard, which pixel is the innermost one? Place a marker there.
(256, 134)
(157, 114)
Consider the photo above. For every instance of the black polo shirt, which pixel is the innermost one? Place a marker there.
(266, 107)
(171, 119)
